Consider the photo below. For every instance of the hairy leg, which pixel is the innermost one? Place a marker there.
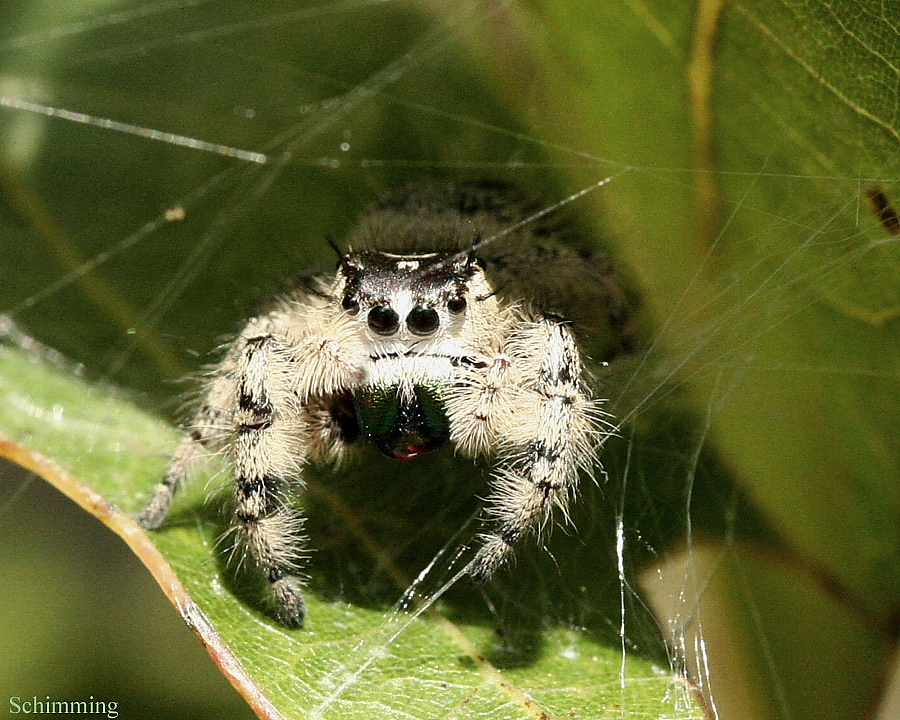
(264, 408)
(544, 425)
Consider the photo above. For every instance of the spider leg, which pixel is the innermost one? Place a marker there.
(261, 407)
(535, 406)
(281, 388)
(332, 428)
(156, 510)
(205, 430)
(268, 454)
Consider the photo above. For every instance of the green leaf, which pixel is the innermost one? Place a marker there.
(739, 161)
(356, 658)
(758, 211)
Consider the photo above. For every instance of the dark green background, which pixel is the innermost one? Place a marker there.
(762, 417)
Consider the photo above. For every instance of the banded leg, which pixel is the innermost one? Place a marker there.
(481, 402)
(156, 510)
(268, 453)
(206, 430)
(277, 397)
(546, 431)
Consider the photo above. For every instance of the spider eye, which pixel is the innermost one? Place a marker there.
(457, 305)
(422, 320)
(350, 304)
(384, 320)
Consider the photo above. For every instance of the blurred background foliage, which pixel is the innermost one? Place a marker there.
(753, 154)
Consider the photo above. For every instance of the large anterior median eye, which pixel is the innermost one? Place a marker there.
(384, 320)
(422, 320)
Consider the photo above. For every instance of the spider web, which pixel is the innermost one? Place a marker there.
(169, 165)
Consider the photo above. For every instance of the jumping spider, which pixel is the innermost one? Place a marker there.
(416, 340)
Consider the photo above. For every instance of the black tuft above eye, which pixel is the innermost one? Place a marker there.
(350, 304)
(384, 320)
(422, 320)
(457, 305)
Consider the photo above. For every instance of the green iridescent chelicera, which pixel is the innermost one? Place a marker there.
(403, 424)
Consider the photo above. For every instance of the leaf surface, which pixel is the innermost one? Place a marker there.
(353, 660)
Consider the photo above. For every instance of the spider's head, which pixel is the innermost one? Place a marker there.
(407, 299)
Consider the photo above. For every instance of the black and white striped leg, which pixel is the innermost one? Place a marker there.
(266, 457)
(548, 438)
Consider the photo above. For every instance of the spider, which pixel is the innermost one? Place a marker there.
(452, 316)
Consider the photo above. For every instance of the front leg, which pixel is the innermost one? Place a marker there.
(258, 410)
(284, 368)
(247, 411)
(268, 453)
(532, 404)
